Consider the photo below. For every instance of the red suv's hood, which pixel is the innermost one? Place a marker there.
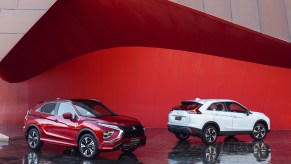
(118, 120)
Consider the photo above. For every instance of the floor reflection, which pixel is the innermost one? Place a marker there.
(72, 156)
(231, 150)
(162, 147)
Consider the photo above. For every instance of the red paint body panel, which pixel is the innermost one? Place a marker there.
(58, 130)
(120, 120)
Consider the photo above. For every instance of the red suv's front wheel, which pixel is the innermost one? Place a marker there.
(88, 146)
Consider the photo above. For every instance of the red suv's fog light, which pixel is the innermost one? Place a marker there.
(107, 134)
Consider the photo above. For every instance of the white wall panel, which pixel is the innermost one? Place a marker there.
(35, 4)
(196, 4)
(18, 21)
(7, 42)
(288, 12)
(273, 18)
(16, 18)
(219, 8)
(245, 13)
(8, 4)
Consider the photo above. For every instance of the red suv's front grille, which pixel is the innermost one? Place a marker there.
(132, 131)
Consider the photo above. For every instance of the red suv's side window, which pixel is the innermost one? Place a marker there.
(65, 108)
(48, 108)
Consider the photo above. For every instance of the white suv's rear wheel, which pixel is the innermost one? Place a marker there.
(259, 131)
(209, 134)
(182, 136)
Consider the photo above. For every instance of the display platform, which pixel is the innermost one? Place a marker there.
(163, 147)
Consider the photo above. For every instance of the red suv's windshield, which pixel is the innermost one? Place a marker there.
(92, 109)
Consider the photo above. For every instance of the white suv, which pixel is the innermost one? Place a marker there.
(209, 118)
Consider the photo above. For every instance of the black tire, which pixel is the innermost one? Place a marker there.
(127, 158)
(231, 139)
(259, 132)
(182, 136)
(88, 146)
(33, 139)
(128, 150)
(71, 151)
(209, 135)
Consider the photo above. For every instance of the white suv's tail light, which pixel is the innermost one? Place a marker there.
(189, 107)
(194, 111)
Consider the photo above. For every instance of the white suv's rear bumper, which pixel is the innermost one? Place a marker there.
(184, 129)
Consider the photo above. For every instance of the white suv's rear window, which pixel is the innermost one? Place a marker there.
(188, 105)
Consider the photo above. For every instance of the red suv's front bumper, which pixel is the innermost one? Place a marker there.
(122, 143)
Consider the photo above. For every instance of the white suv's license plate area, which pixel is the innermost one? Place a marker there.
(179, 118)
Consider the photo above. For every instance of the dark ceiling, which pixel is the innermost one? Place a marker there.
(75, 27)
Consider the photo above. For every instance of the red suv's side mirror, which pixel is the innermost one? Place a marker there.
(67, 115)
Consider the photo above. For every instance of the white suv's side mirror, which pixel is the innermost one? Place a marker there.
(248, 112)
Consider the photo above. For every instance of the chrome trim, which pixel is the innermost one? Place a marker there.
(50, 140)
(55, 135)
(112, 127)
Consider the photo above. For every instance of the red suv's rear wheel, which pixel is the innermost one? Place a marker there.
(33, 139)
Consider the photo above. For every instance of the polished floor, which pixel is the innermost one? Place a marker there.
(163, 147)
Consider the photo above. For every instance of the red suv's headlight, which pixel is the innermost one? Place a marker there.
(110, 130)
(107, 133)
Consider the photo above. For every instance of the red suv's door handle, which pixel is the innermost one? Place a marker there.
(56, 120)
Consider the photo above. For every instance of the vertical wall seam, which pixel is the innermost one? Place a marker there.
(231, 17)
(287, 20)
(221, 73)
(259, 17)
(203, 6)
(17, 4)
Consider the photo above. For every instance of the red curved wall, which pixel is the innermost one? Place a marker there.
(147, 82)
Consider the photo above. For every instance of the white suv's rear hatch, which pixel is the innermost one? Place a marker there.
(179, 117)
(181, 113)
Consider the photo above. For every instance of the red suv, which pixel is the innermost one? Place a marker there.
(86, 124)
